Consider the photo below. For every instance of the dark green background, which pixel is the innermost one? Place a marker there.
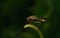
(13, 14)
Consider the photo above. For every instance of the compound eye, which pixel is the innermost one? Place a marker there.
(31, 18)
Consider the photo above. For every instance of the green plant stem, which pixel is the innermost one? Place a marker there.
(51, 8)
(36, 28)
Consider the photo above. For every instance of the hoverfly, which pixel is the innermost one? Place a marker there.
(35, 18)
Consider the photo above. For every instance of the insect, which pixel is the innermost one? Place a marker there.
(35, 18)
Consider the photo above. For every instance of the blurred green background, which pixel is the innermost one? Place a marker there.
(13, 14)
